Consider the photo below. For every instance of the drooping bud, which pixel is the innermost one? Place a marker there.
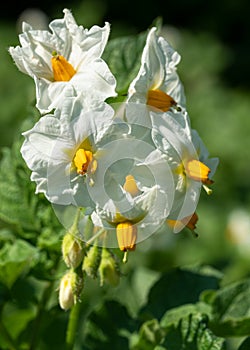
(72, 250)
(91, 261)
(70, 289)
(109, 269)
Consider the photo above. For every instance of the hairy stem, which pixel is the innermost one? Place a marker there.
(72, 326)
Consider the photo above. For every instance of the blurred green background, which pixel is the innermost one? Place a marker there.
(213, 40)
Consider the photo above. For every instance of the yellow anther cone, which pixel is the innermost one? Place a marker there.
(160, 100)
(62, 69)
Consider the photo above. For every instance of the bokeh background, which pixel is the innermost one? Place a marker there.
(213, 40)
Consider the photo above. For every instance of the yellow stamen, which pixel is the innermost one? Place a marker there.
(62, 69)
(174, 223)
(189, 221)
(198, 171)
(130, 185)
(160, 100)
(126, 233)
(82, 160)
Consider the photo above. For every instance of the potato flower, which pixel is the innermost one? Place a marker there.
(189, 160)
(139, 196)
(143, 216)
(62, 150)
(67, 55)
(157, 83)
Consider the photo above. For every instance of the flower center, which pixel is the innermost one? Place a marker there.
(126, 233)
(160, 100)
(62, 69)
(83, 159)
(130, 186)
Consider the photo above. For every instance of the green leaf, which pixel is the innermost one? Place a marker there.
(150, 335)
(175, 288)
(123, 56)
(19, 205)
(133, 290)
(231, 310)
(16, 205)
(245, 345)
(15, 318)
(15, 259)
(50, 240)
(6, 235)
(173, 316)
(192, 333)
(108, 327)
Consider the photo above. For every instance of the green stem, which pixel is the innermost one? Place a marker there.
(74, 228)
(88, 229)
(72, 326)
(98, 234)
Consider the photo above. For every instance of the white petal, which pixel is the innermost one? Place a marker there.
(81, 47)
(92, 41)
(169, 134)
(158, 71)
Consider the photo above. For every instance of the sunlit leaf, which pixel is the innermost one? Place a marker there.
(192, 333)
(15, 259)
(150, 335)
(123, 57)
(231, 309)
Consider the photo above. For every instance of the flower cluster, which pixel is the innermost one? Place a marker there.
(127, 168)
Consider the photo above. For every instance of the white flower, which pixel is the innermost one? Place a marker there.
(62, 151)
(68, 55)
(132, 219)
(157, 83)
(133, 205)
(135, 186)
(188, 159)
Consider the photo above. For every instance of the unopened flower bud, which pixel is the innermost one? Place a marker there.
(92, 261)
(70, 288)
(108, 269)
(72, 251)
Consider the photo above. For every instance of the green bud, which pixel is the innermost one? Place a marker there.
(91, 261)
(72, 251)
(71, 285)
(109, 269)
